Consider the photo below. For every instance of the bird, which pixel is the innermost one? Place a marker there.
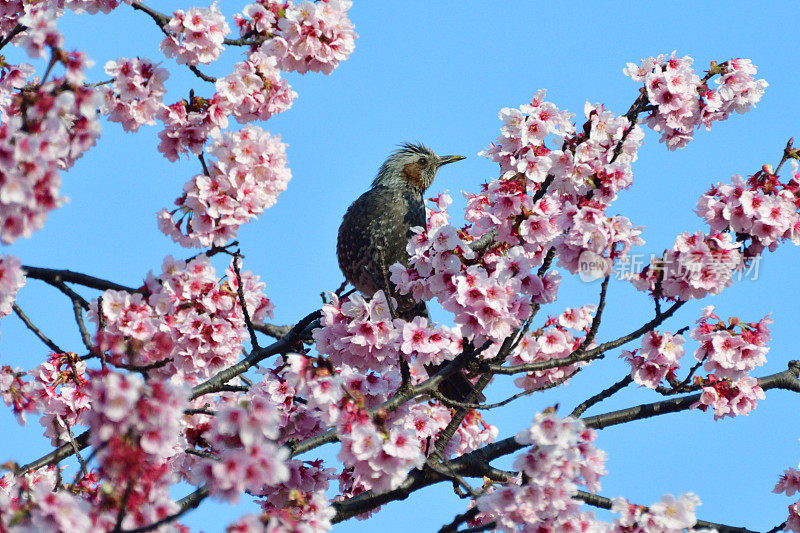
(376, 228)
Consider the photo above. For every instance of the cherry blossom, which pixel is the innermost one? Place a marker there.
(255, 89)
(697, 265)
(731, 351)
(41, 32)
(190, 337)
(684, 101)
(243, 436)
(94, 6)
(195, 36)
(248, 174)
(12, 278)
(44, 132)
(665, 516)
(657, 359)
(303, 37)
(730, 397)
(134, 98)
(561, 458)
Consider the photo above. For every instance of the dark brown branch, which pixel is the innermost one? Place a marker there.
(597, 317)
(588, 355)
(242, 303)
(613, 389)
(205, 77)
(271, 330)
(187, 503)
(19, 28)
(475, 463)
(36, 331)
(54, 276)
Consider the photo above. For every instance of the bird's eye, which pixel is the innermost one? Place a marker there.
(422, 161)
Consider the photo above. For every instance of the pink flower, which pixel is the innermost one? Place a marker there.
(311, 36)
(12, 278)
(248, 175)
(134, 98)
(658, 359)
(195, 36)
(789, 482)
(255, 89)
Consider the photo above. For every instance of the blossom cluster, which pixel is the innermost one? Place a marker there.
(684, 102)
(598, 160)
(729, 352)
(189, 123)
(732, 350)
(362, 335)
(298, 502)
(303, 37)
(45, 129)
(489, 294)
(56, 389)
(255, 89)
(94, 6)
(186, 320)
(12, 278)
(592, 242)
(377, 451)
(243, 438)
(789, 484)
(195, 36)
(30, 503)
(134, 96)
(666, 516)
(695, 266)
(248, 174)
(124, 406)
(561, 458)
(554, 341)
(762, 208)
(41, 32)
(135, 428)
(657, 359)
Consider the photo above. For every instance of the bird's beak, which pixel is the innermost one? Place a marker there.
(450, 159)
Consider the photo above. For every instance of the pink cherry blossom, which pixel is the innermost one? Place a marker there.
(657, 359)
(41, 134)
(12, 278)
(134, 97)
(731, 350)
(684, 102)
(303, 37)
(196, 35)
(561, 458)
(730, 398)
(255, 89)
(248, 174)
(195, 337)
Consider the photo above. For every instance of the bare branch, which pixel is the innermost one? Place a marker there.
(53, 276)
(36, 331)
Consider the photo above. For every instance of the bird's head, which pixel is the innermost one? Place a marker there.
(412, 166)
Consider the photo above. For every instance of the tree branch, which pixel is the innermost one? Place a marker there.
(54, 276)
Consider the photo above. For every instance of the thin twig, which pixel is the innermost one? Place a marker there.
(607, 393)
(36, 331)
(242, 302)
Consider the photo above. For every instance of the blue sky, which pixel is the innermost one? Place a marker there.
(438, 72)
